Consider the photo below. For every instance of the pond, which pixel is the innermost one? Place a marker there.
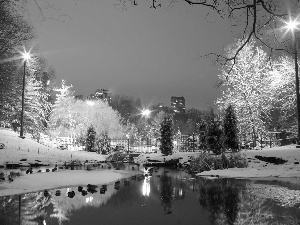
(166, 196)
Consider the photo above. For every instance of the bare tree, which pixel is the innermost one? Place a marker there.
(14, 30)
(258, 19)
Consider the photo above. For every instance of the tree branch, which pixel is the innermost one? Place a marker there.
(263, 4)
(204, 3)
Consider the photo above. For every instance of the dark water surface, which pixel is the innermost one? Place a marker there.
(165, 197)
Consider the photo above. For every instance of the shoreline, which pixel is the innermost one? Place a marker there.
(62, 179)
(292, 180)
(284, 174)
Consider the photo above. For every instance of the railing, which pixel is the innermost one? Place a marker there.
(183, 143)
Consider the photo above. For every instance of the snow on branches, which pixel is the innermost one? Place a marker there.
(256, 85)
(71, 117)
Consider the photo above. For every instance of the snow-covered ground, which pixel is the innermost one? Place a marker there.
(289, 171)
(16, 149)
(65, 178)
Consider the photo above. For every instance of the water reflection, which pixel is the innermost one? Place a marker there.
(166, 194)
(164, 197)
(221, 198)
(146, 186)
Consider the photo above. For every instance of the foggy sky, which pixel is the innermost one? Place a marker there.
(148, 53)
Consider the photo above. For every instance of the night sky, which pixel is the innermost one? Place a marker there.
(141, 52)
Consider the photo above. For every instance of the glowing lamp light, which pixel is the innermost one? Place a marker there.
(291, 25)
(146, 112)
(26, 55)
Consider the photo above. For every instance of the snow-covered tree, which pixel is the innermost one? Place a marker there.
(72, 118)
(105, 120)
(247, 88)
(283, 113)
(36, 107)
(60, 118)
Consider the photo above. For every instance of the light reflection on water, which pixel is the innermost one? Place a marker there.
(166, 197)
(146, 186)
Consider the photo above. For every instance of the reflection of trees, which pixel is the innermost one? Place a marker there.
(252, 210)
(63, 207)
(221, 198)
(34, 207)
(9, 210)
(166, 193)
(59, 212)
(180, 188)
(230, 202)
(255, 209)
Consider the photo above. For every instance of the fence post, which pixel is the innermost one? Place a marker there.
(128, 144)
(193, 142)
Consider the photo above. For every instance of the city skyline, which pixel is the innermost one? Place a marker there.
(176, 103)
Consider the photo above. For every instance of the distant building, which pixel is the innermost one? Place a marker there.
(102, 94)
(79, 97)
(178, 104)
(160, 106)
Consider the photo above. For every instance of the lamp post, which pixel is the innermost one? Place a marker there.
(25, 56)
(292, 25)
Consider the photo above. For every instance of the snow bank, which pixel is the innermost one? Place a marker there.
(257, 168)
(68, 178)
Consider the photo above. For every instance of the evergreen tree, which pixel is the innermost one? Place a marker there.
(60, 117)
(90, 139)
(166, 133)
(214, 134)
(230, 129)
(156, 125)
(37, 107)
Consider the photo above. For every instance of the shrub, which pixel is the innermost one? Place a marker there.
(117, 156)
(206, 162)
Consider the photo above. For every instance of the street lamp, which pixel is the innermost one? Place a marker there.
(146, 113)
(25, 56)
(292, 25)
